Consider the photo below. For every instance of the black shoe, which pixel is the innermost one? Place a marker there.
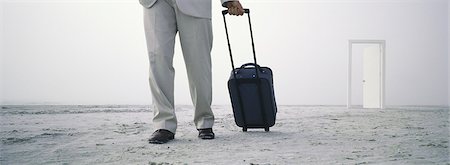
(206, 133)
(161, 136)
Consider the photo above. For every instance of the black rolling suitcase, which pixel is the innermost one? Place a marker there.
(251, 90)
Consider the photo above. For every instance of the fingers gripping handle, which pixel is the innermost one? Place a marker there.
(225, 12)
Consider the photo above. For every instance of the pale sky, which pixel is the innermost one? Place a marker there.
(93, 52)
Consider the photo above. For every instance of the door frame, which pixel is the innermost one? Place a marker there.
(382, 44)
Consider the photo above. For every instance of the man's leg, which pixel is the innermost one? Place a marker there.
(160, 30)
(196, 42)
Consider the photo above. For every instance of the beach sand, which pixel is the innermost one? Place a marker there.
(118, 134)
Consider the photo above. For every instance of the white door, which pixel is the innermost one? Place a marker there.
(372, 76)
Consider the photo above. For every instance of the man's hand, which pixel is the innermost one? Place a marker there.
(235, 8)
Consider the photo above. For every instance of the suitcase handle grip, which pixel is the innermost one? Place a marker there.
(250, 64)
(225, 12)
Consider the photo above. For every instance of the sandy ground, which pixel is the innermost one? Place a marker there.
(302, 135)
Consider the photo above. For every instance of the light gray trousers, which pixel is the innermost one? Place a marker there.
(162, 22)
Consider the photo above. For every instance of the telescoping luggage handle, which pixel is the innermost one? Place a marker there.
(225, 12)
(257, 68)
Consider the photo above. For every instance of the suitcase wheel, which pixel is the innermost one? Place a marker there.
(266, 129)
(244, 129)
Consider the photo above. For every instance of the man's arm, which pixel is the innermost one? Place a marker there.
(234, 7)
